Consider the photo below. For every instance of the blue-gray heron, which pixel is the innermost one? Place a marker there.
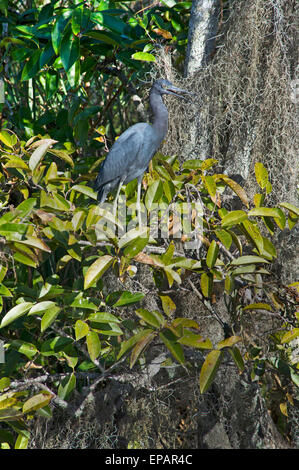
(131, 153)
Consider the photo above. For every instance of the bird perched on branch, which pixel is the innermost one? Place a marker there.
(131, 153)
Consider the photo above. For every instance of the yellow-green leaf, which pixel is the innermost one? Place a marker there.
(140, 346)
(128, 344)
(96, 270)
(168, 305)
(258, 306)
(21, 442)
(170, 341)
(248, 259)
(228, 342)
(237, 357)
(261, 175)
(149, 317)
(49, 317)
(93, 345)
(236, 188)
(212, 254)
(39, 153)
(195, 341)
(233, 218)
(209, 369)
(37, 401)
(15, 312)
(290, 207)
(206, 284)
(81, 329)
(290, 335)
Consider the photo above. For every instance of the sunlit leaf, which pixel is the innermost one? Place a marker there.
(96, 270)
(37, 401)
(93, 344)
(209, 369)
(16, 312)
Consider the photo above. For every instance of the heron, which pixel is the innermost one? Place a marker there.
(132, 152)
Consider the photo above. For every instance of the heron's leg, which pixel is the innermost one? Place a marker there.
(138, 205)
(117, 195)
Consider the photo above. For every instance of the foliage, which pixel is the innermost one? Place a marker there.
(66, 65)
(58, 322)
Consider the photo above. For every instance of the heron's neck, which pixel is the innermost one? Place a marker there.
(160, 114)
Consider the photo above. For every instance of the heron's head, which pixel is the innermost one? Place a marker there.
(164, 87)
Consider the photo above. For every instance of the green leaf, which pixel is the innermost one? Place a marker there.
(81, 329)
(150, 317)
(134, 235)
(192, 164)
(8, 138)
(66, 386)
(236, 188)
(233, 218)
(254, 233)
(210, 184)
(170, 341)
(168, 305)
(63, 156)
(85, 190)
(41, 307)
(195, 341)
(229, 342)
(290, 335)
(237, 357)
(106, 38)
(4, 291)
(32, 66)
(258, 306)
(16, 162)
(96, 270)
(77, 17)
(21, 442)
(209, 369)
(261, 175)
(265, 212)
(153, 194)
(212, 254)
(146, 56)
(119, 299)
(249, 259)
(69, 50)
(93, 345)
(290, 207)
(4, 383)
(3, 271)
(225, 238)
(39, 153)
(140, 346)
(28, 349)
(128, 344)
(49, 317)
(15, 312)
(103, 317)
(206, 284)
(37, 401)
(58, 29)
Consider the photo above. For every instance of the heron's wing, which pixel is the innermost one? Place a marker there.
(123, 155)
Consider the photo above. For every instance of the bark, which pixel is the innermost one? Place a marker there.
(203, 28)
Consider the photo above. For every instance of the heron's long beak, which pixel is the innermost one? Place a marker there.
(175, 91)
